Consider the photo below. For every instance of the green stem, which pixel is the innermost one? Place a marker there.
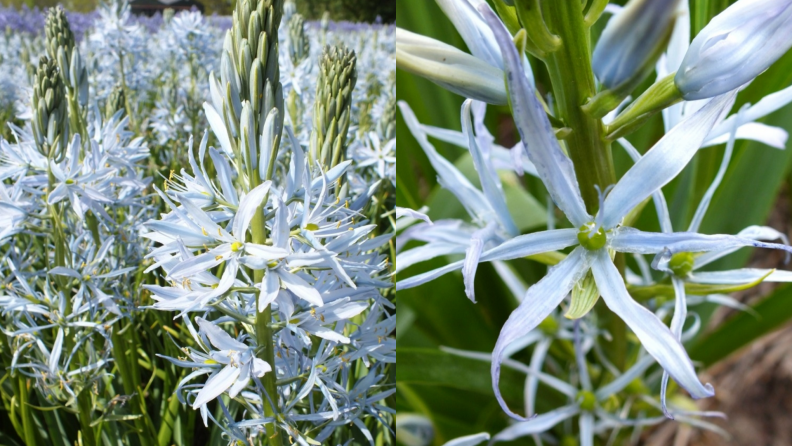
(86, 407)
(264, 338)
(573, 85)
(24, 412)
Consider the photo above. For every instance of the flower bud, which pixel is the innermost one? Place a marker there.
(735, 47)
(49, 124)
(298, 41)
(450, 68)
(115, 102)
(337, 78)
(632, 41)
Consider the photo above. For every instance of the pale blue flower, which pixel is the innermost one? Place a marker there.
(596, 236)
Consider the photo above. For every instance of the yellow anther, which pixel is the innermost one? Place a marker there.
(203, 231)
(218, 258)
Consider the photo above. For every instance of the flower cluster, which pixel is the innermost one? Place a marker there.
(241, 279)
(565, 142)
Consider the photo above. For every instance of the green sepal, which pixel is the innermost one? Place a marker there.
(661, 95)
(639, 292)
(584, 296)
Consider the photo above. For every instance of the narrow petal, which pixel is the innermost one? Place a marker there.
(218, 128)
(247, 209)
(57, 348)
(540, 300)
(270, 287)
(655, 337)
(216, 385)
(586, 424)
(640, 242)
(449, 176)
(554, 168)
(472, 255)
(218, 337)
(661, 206)
(201, 263)
(300, 287)
(663, 161)
(468, 440)
(522, 246)
(537, 425)
(739, 276)
(407, 212)
(751, 232)
(490, 183)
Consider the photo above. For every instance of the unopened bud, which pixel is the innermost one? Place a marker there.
(735, 47)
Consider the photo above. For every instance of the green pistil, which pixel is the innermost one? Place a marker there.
(587, 400)
(590, 241)
(236, 246)
(681, 264)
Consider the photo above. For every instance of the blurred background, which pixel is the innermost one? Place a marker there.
(349, 10)
(748, 358)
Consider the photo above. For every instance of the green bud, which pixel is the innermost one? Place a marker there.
(337, 78)
(298, 42)
(584, 297)
(115, 102)
(50, 127)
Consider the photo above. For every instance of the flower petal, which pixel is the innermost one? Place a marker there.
(537, 425)
(216, 385)
(247, 209)
(663, 161)
(540, 300)
(554, 168)
(640, 242)
(655, 337)
(299, 287)
(218, 337)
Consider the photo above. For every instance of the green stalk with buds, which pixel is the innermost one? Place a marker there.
(62, 48)
(337, 77)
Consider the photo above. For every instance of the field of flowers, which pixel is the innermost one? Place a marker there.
(195, 228)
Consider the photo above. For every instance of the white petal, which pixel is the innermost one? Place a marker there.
(639, 242)
(270, 287)
(662, 162)
(468, 440)
(218, 128)
(449, 176)
(300, 287)
(540, 300)
(655, 337)
(490, 183)
(540, 424)
(247, 209)
(216, 385)
(218, 337)
(554, 168)
(739, 276)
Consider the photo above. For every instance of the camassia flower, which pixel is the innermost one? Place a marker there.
(596, 237)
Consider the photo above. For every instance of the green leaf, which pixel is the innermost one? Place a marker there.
(745, 327)
(438, 368)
